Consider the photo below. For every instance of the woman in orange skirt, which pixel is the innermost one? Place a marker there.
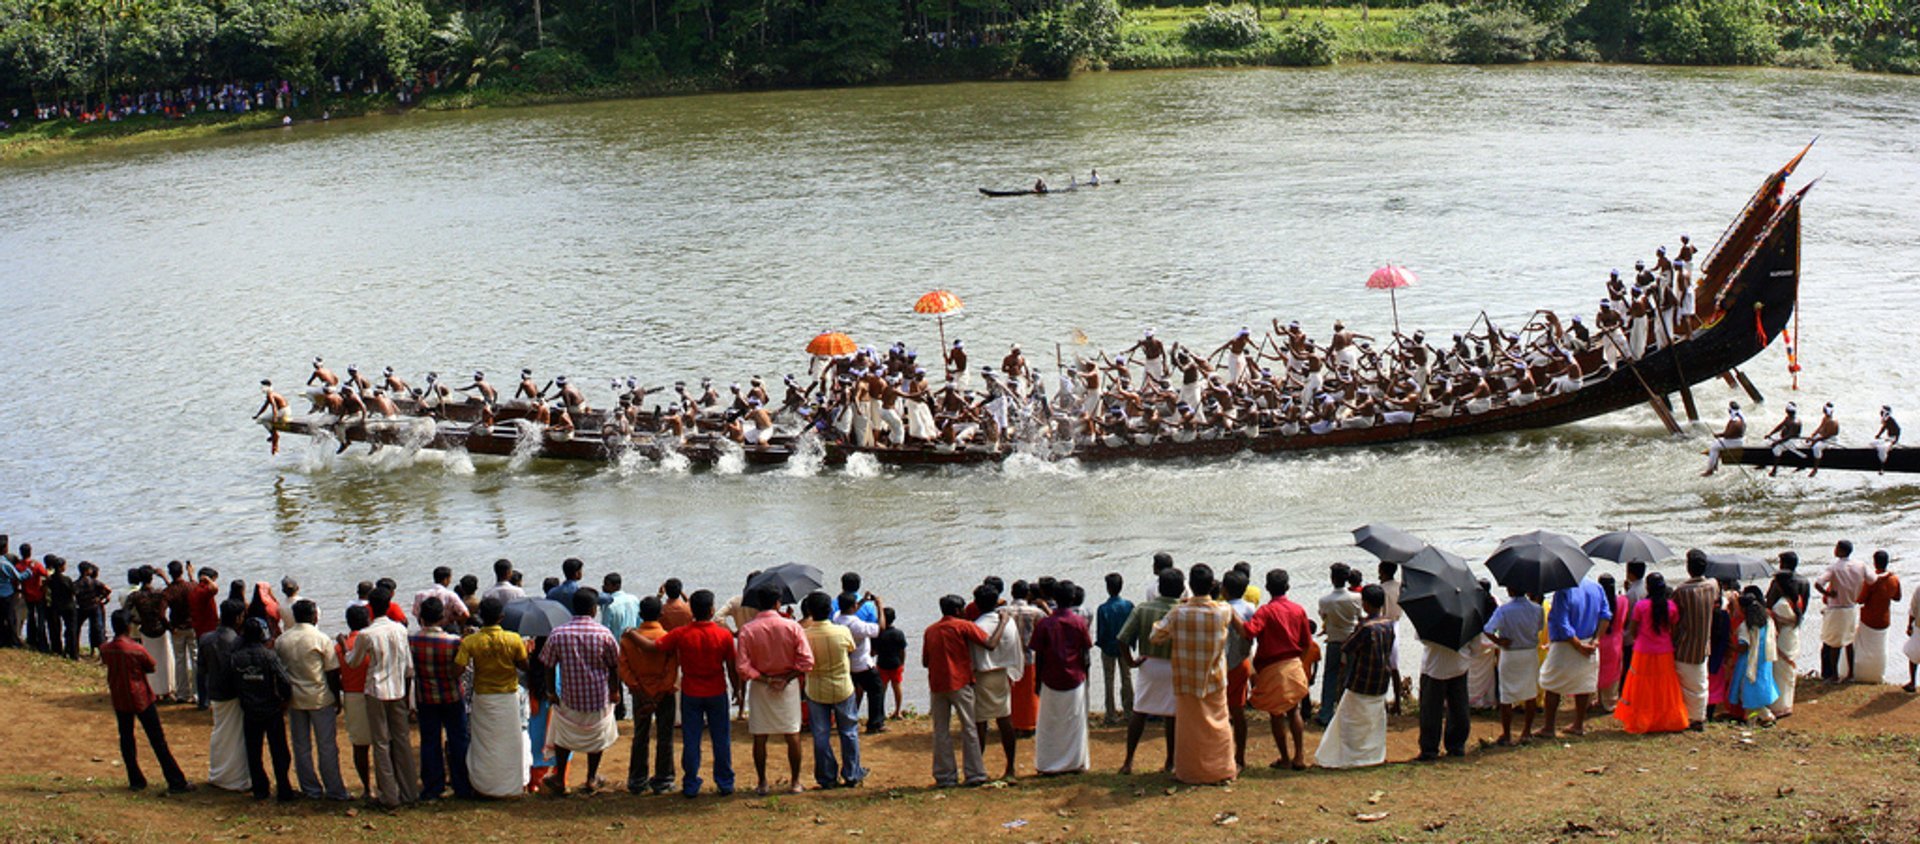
(1651, 701)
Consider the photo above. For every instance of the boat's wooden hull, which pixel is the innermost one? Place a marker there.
(1899, 460)
(1758, 294)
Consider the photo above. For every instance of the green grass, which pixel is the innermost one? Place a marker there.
(1153, 36)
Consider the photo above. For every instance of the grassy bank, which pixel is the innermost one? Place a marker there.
(1830, 773)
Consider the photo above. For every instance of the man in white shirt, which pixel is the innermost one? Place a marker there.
(1443, 699)
(383, 648)
(1840, 586)
(503, 587)
(996, 670)
(860, 662)
(1339, 613)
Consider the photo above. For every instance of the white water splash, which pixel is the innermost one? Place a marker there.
(863, 465)
(672, 462)
(631, 462)
(808, 455)
(457, 461)
(731, 460)
(1023, 464)
(528, 437)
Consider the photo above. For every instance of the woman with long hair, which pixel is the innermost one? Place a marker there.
(1651, 701)
(1753, 689)
(1612, 645)
(1786, 601)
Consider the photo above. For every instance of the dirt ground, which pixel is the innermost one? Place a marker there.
(1843, 768)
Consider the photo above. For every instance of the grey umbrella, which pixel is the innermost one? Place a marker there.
(1627, 546)
(534, 616)
(1539, 562)
(1389, 543)
(1737, 567)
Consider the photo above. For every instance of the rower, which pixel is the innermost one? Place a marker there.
(527, 389)
(1039, 185)
(560, 429)
(274, 408)
(356, 380)
(1734, 435)
(483, 389)
(570, 396)
(1015, 367)
(350, 407)
(1888, 436)
(1237, 351)
(436, 395)
(1616, 289)
(1823, 435)
(757, 390)
(957, 364)
(377, 403)
(323, 375)
(1155, 353)
(1093, 177)
(758, 427)
(709, 397)
(394, 384)
(1642, 277)
(1781, 438)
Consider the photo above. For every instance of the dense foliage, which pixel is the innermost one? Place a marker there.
(1224, 28)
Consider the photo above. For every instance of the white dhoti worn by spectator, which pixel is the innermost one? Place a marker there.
(1519, 675)
(581, 732)
(161, 679)
(227, 749)
(1357, 735)
(1870, 655)
(499, 755)
(1693, 688)
(1483, 676)
(1786, 627)
(1568, 672)
(770, 712)
(1060, 737)
(1839, 626)
(1153, 687)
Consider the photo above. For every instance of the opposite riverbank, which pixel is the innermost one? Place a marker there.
(1826, 774)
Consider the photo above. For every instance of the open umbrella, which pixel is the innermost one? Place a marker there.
(832, 344)
(1737, 567)
(1539, 562)
(939, 303)
(1627, 546)
(1389, 543)
(1443, 599)
(534, 616)
(1391, 278)
(795, 581)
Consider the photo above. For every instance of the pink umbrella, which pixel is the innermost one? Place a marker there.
(1391, 278)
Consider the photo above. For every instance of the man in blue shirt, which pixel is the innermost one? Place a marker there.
(563, 593)
(1108, 619)
(1579, 617)
(9, 586)
(1515, 629)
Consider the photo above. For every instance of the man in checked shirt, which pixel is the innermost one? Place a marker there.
(587, 655)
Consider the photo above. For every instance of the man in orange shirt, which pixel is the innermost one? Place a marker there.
(1876, 599)
(353, 699)
(946, 651)
(650, 675)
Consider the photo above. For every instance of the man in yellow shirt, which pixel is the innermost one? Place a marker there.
(830, 703)
(497, 756)
(313, 669)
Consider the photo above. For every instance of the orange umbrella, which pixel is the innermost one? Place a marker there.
(940, 303)
(832, 344)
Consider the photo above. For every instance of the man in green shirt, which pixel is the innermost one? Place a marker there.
(1153, 689)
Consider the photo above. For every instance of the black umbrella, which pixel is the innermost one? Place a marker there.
(1442, 599)
(1737, 567)
(1389, 543)
(534, 616)
(795, 581)
(1627, 546)
(1539, 562)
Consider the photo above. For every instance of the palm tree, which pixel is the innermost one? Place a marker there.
(477, 44)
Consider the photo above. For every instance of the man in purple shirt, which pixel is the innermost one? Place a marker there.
(1060, 645)
(1580, 616)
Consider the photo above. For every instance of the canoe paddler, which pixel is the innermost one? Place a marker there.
(1734, 435)
(394, 384)
(570, 396)
(380, 405)
(352, 409)
(1783, 437)
(1153, 352)
(1237, 351)
(757, 389)
(1040, 185)
(273, 412)
(1014, 366)
(1887, 438)
(1093, 177)
(527, 389)
(757, 430)
(487, 394)
(358, 381)
(1823, 436)
(322, 375)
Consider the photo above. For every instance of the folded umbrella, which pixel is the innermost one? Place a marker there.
(795, 581)
(1389, 543)
(1627, 546)
(1539, 562)
(1737, 567)
(1442, 599)
(534, 616)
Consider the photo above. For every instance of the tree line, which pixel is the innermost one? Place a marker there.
(92, 50)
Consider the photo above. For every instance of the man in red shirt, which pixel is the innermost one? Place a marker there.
(33, 593)
(947, 654)
(707, 678)
(203, 609)
(127, 667)
(1282, 633)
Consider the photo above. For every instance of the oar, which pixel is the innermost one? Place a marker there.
(1686, 389)
(1660, 407)
(1752, 393)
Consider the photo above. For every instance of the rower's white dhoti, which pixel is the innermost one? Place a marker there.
(1870, 655)
(896, 427)
(1838, 626)
(773, 713)
(581, 732)
(1357, 735)
(1236, 367)
(1157, 368)
(1153, 687)
(1637, 338)
(1060, 736)
(499, 755)
(1719, 445)
(1693, 688)
(1519, 674)
(1569, 672)
(1883, 448)
(227, 749)
(920, 424)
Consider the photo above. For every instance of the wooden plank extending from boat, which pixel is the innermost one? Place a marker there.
(1899, 460)
(1757, 295)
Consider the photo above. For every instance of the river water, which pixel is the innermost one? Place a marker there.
(148, 288)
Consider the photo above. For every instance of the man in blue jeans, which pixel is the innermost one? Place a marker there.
(1340, 612)
(440, 706)
(707, 678)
